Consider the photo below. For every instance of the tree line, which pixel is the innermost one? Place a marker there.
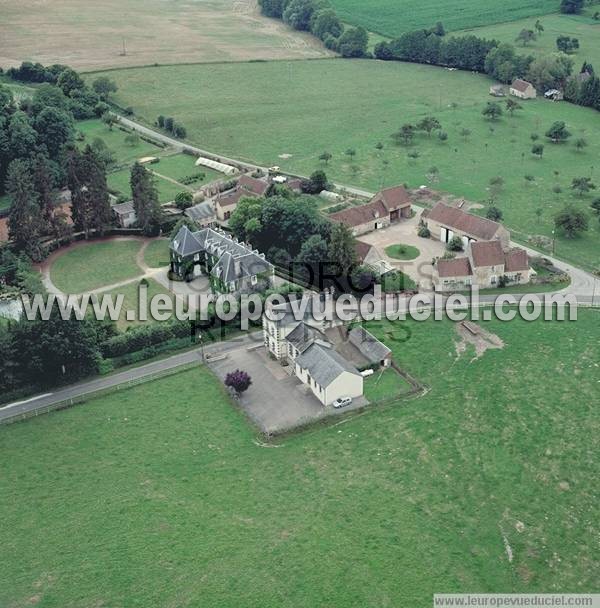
(39, 157)
(319, 18)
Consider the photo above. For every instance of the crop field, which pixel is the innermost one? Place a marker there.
(287, 114)
(120, 33)
(393, 17)
(160, 495)
(582, 27)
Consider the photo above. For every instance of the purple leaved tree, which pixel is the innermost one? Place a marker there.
(238, 380)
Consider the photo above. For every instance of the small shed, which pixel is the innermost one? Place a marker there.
(124, 213)
(554, 95)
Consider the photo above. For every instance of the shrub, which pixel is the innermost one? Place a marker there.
(455, 244)
(424, 232)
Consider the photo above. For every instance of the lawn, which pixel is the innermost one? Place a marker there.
(160, 496)
(118, 181)
(392, 17)
(395, 280)
(4, 202)
(156, 254)
(131, 301)
(88, 266)
(180, 166)
(402, 252)
(303, 120)
(583, 27)
(385, 385)
(119, 33)
(124, 153)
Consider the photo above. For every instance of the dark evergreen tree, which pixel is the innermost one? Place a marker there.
(25, 219)
(145, 199)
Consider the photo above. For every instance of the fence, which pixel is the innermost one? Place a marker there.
(83, 398)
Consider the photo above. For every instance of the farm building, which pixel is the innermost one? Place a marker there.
(202, 214)
(446, 222)
(385, 207)
(523, 89)
(485, 264)
(226, 203)
(216, 165)
(124, 213)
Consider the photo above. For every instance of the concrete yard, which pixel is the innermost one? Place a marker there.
(276, 402)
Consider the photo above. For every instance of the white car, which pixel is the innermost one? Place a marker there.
(342, 402)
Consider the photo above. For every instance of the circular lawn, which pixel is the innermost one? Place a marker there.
(402, 252)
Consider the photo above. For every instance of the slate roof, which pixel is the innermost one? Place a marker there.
(303, 335)
(235, 260)
(516, 260)
(487, 253)
(468, 223)
(458, 267)
(324, 364)
(185, 243)
(123, 208)
(199, 212)
(521, 85)
(369, 346)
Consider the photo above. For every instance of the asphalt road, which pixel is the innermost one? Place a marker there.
(583, 285)
(136, 373)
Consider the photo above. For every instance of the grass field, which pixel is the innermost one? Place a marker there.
(159, 495)
(157, 254)
(279, 110)
(91, 35)
(385, 385)
(583, 27)
(93, 265)
(114, 139)
(119, 181)
(392, 17)
(131, 301)
(178, 166)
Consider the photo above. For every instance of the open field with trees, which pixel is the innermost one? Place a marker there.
(167, 479)
(583, 27)
(392, 17)
(279, 112)
(91, 36)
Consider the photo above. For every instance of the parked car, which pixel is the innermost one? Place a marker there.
(342, 402)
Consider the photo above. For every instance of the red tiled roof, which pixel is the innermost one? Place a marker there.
(468, 223)
(458, 267)
(487, 253)
(516, 260)
(355, 216)
(521, 85)
(256, 186)
(230, 198)
(393, 198)
(362, 250)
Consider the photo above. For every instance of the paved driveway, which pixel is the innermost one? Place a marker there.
(405, 232)
(275, 402)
